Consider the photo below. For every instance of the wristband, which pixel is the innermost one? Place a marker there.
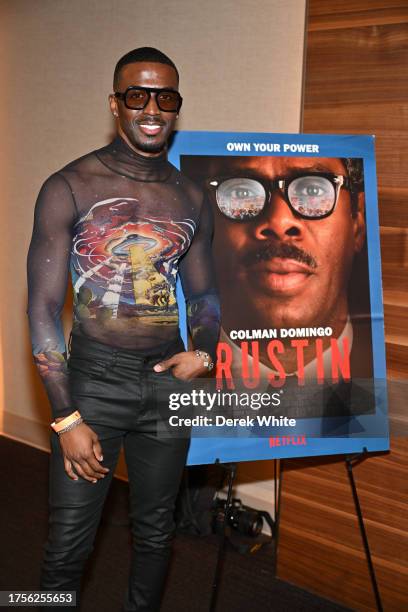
(69, 420)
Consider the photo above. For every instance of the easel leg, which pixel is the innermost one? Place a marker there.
(349, 465)
(278, 469)
(232, 469)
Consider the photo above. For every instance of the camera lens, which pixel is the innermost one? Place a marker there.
(250, 523)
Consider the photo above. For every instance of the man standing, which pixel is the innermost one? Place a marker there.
(126, 222)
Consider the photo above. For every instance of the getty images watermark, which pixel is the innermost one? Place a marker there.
(234, 407)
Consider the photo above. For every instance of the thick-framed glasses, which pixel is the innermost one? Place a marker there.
(137, 98)
(312, 195)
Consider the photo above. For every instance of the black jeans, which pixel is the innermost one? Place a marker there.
(116, 392)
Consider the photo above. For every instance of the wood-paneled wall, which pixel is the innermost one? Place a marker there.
(356, 81)
(320, 547)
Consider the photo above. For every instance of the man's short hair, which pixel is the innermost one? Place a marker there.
(142, 54)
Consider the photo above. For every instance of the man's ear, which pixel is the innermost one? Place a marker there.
(113, 103)
(359, 226)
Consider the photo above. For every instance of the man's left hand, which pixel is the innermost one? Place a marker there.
(185, 366)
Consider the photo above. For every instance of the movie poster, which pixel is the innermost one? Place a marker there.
(301, 357)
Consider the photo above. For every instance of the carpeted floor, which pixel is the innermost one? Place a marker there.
(247, 581)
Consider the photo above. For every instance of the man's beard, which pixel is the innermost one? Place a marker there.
(148, 147)
(145, 143)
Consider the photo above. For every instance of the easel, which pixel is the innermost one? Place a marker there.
(231, 469)
(350, 462)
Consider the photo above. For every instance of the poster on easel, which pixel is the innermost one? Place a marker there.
(301, 355)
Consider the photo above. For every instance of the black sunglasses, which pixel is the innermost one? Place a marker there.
(137, 98)
(310, 195)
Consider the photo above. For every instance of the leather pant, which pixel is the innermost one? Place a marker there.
(116, 392)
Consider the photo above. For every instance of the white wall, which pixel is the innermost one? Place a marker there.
(57, 59)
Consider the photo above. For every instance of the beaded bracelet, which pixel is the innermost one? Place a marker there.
(71, 426)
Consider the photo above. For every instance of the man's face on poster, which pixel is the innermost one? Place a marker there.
(276, 267)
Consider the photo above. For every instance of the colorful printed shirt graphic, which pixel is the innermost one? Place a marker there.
(126, 226)
(126, 266)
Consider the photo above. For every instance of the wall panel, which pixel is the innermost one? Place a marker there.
(357, 82)
(58, 64)
(57, 61)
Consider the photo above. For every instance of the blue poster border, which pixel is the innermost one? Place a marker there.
(375, 427)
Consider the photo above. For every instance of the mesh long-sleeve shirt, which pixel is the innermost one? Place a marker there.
(125, 226)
